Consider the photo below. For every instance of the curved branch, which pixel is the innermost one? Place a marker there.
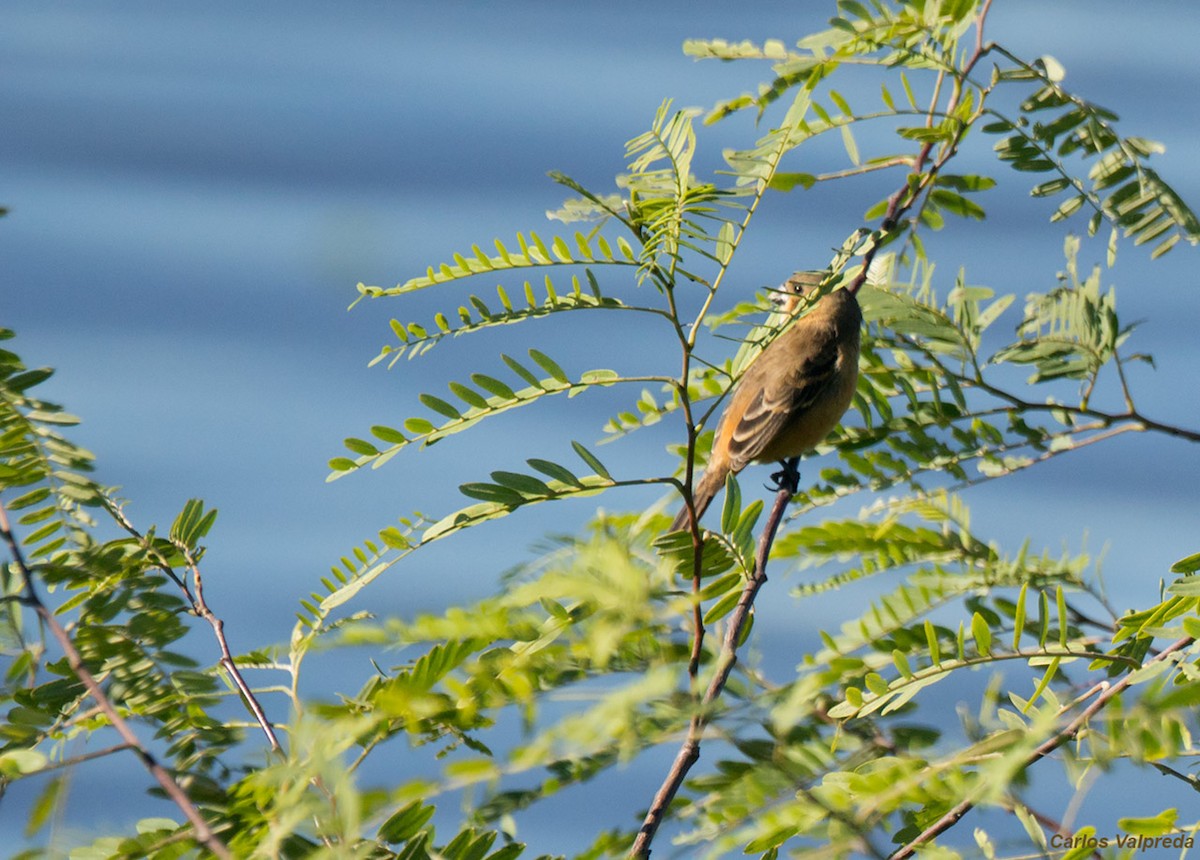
(203, 833)
(200, 607)
(1068, 733)
(689, 752)
(906, 195)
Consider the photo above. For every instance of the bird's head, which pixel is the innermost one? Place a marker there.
(787, 296)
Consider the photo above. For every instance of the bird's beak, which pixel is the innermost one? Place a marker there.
(780, 298)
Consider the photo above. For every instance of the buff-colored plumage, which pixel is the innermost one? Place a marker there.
(794, 393)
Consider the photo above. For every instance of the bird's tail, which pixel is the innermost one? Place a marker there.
(706, 488)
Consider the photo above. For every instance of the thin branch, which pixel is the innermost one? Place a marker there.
(1076, 444)
(1132, 415)
(906, 195)
(886, 164)
(200, 607)
(203, 833)
(218, 627)
(688, 344)
(1190, 779)
(688, 481)
(689, 752)
(1158, 426)
(72, 761)
(978, 381)
(1050, 745)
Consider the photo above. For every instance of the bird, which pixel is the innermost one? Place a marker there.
(792, 395)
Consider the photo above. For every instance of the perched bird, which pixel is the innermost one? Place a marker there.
(792, 395)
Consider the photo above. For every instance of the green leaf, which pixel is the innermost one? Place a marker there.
(965, 183)
(956, 203)
(520, 370)
(1019, 617)
(908, 93)
(887, 98)
(440, 406)
(725, 243)
(20, 762)
(722, 607)
(1068, 208)
(20, 382)
(1053, 186)
(932, 642)
(592, 460)
(555, 471)
(1047, 677)
(732, 509)
(1063, 621)
(394, 538)
(509, 852)
(1188, 564)
(841, 103)
(525, 484)
(406, 823)
(1157, 825)
(555, 609)
(468, 396)
(876, 684)
(388, 434)
(981, 633)
(491, 493)
(31, 498)
(192, 524)
(789, 181)
(1043, 618)
(599, 377)
(850, 145)
(1187, 586)
(1191, 626)
(361, 446)
(419, 426)
(493, 386)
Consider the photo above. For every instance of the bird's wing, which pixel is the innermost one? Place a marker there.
(786, 380)
(761, 422)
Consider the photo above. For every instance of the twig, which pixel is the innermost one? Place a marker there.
(73, 761)
(904, 196)
(689, 752)
(1188, 778)
(235, 673)
(1140, 421)
(1073, 728)
(200, 607)
(203, 833)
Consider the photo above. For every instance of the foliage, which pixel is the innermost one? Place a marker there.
(597, 648)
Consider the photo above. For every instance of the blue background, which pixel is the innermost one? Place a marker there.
(195, 191)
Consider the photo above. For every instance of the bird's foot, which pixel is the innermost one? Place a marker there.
(787, 478)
